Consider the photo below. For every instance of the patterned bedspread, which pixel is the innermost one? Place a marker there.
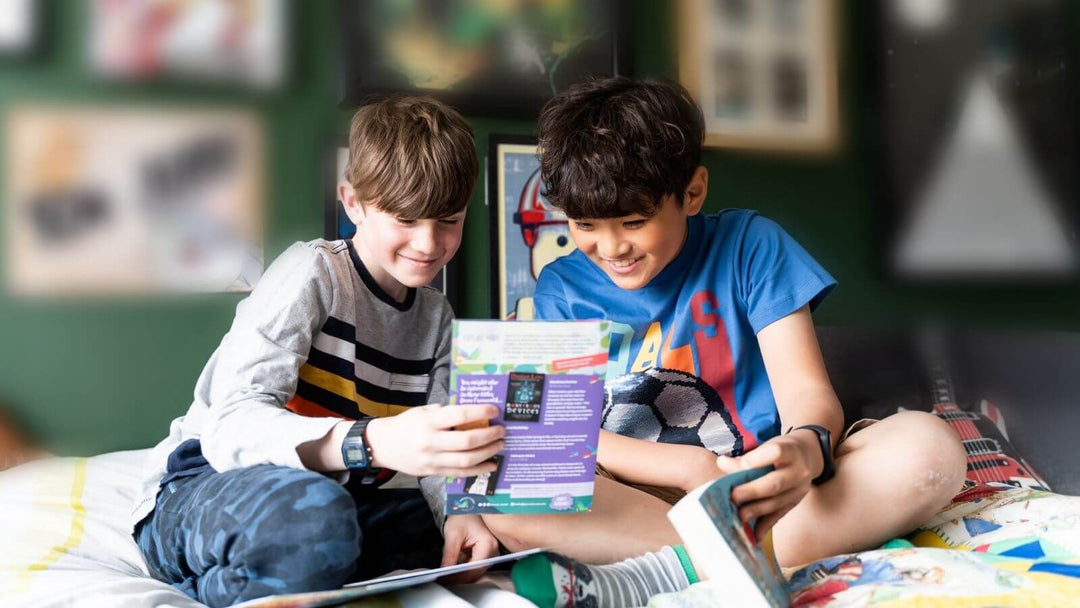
(993, 546)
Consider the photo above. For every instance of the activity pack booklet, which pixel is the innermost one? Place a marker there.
(725, 548)
(547, 378)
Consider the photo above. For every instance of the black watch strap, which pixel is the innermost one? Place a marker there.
(828, 467)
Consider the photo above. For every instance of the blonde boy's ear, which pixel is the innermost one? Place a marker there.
(353, 208)
(696, 191)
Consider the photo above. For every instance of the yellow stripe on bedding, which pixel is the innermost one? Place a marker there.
(75, 533)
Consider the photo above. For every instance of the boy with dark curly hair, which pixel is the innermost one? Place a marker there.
(714, 366)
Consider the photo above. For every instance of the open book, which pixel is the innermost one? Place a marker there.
(725, 549)
(386, 584)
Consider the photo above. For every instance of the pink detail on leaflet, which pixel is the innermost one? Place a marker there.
(576, 362)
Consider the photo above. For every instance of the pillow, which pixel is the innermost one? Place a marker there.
(990, 456)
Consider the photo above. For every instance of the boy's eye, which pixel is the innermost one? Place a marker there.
(583, 225)
(405, 222)
(632, 224)
(449, 221)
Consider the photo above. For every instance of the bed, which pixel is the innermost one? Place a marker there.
(66, 544)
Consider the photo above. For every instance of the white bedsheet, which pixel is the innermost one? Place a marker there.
(64, 542)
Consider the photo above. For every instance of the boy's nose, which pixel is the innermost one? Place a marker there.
(424, 241)
(612, 248)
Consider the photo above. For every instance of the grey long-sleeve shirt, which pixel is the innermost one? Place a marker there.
(315, 341)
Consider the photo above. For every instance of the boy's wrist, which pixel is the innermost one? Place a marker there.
(811, 448)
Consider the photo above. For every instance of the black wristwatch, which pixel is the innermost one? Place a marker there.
(828, 467)
(355, 450)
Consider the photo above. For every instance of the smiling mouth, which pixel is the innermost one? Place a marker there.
(419, 262)
(623, 266)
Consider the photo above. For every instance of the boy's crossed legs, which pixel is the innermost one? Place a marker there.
(223, 538)
(890, 477)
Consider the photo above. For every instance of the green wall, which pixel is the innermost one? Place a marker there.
(111, 374)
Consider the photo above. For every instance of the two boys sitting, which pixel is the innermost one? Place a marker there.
(278, 478)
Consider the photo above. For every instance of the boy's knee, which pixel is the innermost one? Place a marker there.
(303, 537)
(931, 462)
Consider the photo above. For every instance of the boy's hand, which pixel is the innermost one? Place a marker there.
(699, 467)
(467, 539)
(796, 459)
(421, 441)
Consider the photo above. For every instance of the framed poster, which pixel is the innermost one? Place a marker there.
(123, 201)
(764, 72)
(481, 57)
(527, 233)
(979, 140)
(337, 225)
(234, 42)
(20, 28)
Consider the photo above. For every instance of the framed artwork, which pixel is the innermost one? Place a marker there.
(20, 28)
(979, 140)
(527, 233)
(481, 57)
(337, 225)
(122, 201)
(235, 42)
(764, 71)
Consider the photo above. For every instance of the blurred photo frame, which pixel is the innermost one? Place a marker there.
(764, 72)
(480, 58)
(244, 44)
(103, 201)
(980, 141)
(527, 232)
(21, 29)
(337, 225)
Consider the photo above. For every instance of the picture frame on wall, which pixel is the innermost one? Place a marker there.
(764, 72)
(132, 200)
(480, 59)
(242, 44)
(21, 29)
(337, 225)
(527, 232)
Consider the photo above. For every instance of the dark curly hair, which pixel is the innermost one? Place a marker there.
(614, 147)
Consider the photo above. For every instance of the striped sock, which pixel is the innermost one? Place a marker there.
(550, 579)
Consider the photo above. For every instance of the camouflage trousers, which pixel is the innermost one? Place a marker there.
(224, 538)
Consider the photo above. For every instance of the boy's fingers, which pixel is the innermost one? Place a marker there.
(761, 509)
(452, 549)
(768, 486)
(470, 459)
(761, 457)
(766, 523)
(449, 417)
(457, 441)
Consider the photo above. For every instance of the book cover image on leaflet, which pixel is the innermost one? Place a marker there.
(725, 548)
(547, 379)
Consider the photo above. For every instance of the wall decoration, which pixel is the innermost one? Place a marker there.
(979, 140)
(482, 57)
(235, 41)
(337, 225)
(20, 28)
(129, 201)
(763, 71)
(527, 233)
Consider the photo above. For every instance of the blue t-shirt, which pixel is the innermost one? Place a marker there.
(685, 363)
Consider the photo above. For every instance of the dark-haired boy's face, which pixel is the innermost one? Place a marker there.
(633, 249)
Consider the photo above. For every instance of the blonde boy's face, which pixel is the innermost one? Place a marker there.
(633, 249)
(403, 253)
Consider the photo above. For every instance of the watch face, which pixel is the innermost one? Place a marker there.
(355, 455)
